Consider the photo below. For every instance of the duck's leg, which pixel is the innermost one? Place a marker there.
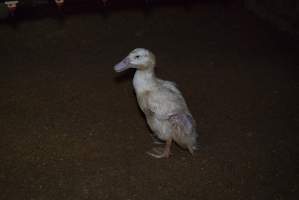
(165, 153)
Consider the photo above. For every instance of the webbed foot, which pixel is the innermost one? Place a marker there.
(159, 152)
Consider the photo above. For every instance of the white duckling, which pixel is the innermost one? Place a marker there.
(164, 107)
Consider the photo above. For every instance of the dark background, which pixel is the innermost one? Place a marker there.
(70, 127)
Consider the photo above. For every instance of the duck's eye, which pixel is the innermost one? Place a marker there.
(138, 56)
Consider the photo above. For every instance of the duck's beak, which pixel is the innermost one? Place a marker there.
(123, 65)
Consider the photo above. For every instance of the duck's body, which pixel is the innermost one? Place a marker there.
(163, 105)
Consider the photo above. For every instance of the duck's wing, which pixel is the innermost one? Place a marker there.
(183, 122)
(165, 102)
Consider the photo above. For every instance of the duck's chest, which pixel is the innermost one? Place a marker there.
(143, 99)
(144, 85)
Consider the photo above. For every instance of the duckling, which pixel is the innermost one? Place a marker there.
(162, 103)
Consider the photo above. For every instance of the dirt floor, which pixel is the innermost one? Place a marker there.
(70, 127)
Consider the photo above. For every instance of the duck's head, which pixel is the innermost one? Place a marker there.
(141, 59)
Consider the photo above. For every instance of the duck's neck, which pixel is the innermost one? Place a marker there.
(144, 80)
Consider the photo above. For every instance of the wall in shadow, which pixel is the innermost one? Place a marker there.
(284, 14)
